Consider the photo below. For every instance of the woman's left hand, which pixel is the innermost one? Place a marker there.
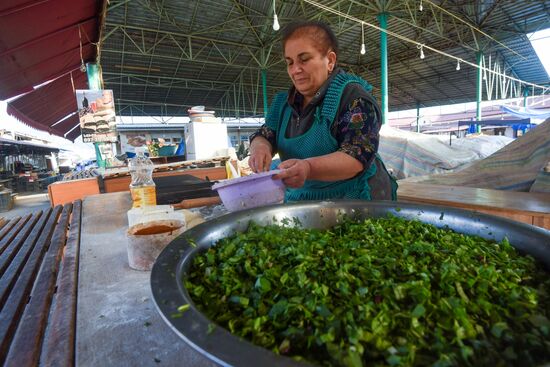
(294, 172)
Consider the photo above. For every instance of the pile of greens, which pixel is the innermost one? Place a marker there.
(375, 292)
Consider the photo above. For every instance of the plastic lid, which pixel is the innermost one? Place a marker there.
(238, 180)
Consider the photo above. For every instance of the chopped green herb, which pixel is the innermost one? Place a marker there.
(382, 291)
(191, 242)
(184, 308)
(180, 311)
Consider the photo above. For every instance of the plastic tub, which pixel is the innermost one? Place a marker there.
(145, 241)
(251, 191)
(167, 150)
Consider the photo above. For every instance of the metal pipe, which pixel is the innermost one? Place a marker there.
(479, 86)
(264, 91)
(417, 117)
(383, 19)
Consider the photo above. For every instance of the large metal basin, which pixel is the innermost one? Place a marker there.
(222, 347)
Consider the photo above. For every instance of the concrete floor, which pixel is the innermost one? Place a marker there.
(27, 203)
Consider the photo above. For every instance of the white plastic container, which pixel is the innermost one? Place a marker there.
(251, 191)
(145, 241)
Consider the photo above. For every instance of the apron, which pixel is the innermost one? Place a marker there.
(318, 141)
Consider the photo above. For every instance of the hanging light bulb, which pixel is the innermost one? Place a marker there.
(422, 52)
(420, 7)
(276, 25)
(457, 65)
(83, 67)
(363, 48)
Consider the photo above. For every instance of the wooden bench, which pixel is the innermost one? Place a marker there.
(38, 287)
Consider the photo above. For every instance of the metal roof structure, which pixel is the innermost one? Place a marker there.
(8, 147)
(161, 57)
(149, 127)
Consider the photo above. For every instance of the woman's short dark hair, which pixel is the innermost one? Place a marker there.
(320, 32)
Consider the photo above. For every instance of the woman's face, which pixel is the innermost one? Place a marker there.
(307, 67)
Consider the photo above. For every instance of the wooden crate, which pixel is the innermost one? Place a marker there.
(63, 192)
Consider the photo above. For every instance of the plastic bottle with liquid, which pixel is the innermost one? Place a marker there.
(142, 188)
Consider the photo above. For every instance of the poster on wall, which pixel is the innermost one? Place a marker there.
(130, 142)
(96, 110)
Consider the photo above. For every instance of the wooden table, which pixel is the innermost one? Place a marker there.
(117, 321)
(68, 296)
(531, 208)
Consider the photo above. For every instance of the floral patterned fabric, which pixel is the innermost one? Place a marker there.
(357, 130)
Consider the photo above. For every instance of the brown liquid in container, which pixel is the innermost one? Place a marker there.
(145, 241)
(156, 229)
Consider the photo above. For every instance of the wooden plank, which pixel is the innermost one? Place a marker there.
(27, 342)
(15, 268)
(13, 308)
(59, 344)
(64, 192)
(12, 232)
(541, 221)
(518, 217)
(12, 249)
(3, 222)
(475, 198)
(8, 226)
(122, 183)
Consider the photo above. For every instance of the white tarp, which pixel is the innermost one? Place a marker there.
(524, 112)
(410, 154)
(519, 166)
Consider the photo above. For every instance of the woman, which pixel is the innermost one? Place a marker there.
(326, 128)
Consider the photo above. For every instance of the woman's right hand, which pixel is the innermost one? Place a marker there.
(260, 155)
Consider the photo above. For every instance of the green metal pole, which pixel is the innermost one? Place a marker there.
(417, 117)
(264, 90)
(92, 72)
(383, 19)
(479, 88)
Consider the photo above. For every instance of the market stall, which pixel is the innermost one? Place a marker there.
(27, 166)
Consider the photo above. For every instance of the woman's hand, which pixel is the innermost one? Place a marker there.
(331, 167)
(260, 155)
(294, 172)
